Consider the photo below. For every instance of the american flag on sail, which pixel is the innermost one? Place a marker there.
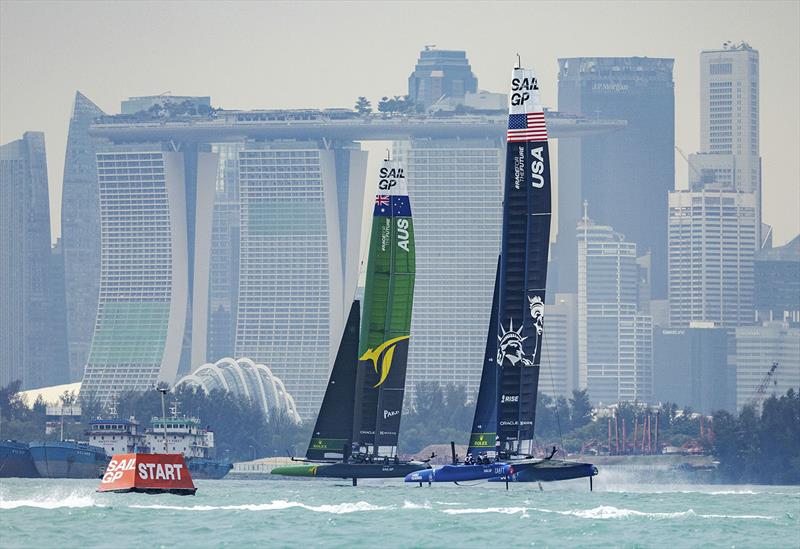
(526, 127)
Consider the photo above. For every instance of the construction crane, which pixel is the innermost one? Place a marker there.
(761, 390)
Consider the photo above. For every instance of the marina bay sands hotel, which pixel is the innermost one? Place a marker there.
(238, 233)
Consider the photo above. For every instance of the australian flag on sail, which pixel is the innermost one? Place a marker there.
(392, 206)
(526, 127)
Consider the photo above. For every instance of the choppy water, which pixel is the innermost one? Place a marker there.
(319, 513)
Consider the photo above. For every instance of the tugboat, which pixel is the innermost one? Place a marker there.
(183, 435)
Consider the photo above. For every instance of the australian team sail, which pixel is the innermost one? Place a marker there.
(523, 264)
(333, 432)
(386, 321)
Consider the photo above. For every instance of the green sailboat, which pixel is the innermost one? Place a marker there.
(356, 432)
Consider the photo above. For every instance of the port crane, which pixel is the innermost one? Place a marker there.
(760, 392)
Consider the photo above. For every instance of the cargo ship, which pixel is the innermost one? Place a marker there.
(16, 460)
(68, 459)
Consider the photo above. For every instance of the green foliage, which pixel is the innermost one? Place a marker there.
(761, 448)
(363, 106)
(240, 429)
(439, 414)
(397, 104)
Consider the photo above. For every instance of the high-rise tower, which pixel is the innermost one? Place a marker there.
(615, 342)
(441, 74)
(626, 175)
(729, 156)
(31, 305)
(155, 211)
(80, 232)
(455, 185)
(712, 235)
(300, 242)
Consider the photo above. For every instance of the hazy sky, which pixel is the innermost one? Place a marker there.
(307, 54)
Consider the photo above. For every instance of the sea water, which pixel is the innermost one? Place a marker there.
(389, 513)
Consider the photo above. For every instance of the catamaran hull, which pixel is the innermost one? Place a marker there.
(548, 471)
(350, 470)
(459, 473)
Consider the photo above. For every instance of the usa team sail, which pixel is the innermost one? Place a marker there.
(505, 412)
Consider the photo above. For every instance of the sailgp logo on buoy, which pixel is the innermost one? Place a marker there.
(510, 346)
(387, 350)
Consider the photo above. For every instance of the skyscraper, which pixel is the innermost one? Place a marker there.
(690, 368)
(455, 186)
(31, 313)
(729, 123)
(559, 374)
(626, 175)
(712, 236)
(224, 268)
(153, 305)
(776, 294)
(757, 347)
(615, 342)
(441, 74)
(80, 232)
(300, 242)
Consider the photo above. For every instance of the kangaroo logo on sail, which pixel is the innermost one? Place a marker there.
(402, 233)
(521, 88)
(510, 346)
(386, 350)
(537, 168)
(389, 178)
(537, 314)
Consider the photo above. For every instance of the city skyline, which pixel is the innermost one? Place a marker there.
(84, 62)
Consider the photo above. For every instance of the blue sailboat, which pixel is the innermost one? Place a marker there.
(501, 442)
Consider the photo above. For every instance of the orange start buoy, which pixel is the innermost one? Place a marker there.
(148, 473)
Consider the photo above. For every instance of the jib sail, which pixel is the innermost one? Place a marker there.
(386, 322)
(333, 432)
(484, 423)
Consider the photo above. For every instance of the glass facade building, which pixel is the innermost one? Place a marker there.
(757, 347)
(32, 341)
(625, 176)
(455, 188)
(298, 259)
(729, 156)
(154, 267)
(441, 74)
(80, 232)
(712, 241)
(690, 368)
(615, 342)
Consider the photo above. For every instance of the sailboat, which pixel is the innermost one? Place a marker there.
(501, 442)
(356, 432)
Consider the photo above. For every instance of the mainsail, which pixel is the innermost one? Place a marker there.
(386, 322)
(523, 264)
(333, 432)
